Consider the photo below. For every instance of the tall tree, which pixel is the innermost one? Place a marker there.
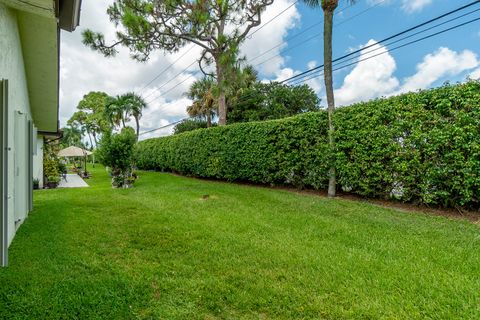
(79, 121)
(217, 26)
(92, 114)
(328, 7)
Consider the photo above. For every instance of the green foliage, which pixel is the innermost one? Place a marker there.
(90, 116)
(120, 109)
(267, 101)
(204, 104)
(116, 152)
(189, 125)
(419, 147)
(71, 136)
(51, 163)
(291, 150)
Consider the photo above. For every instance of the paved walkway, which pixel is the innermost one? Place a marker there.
(73, 181)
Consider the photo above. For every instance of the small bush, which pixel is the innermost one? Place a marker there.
(116, 152)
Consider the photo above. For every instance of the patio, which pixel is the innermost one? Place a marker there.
(72, 181)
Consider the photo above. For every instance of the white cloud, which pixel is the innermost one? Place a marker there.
(475, 74)
(411, 6)
(443, 62)
(83, 70)
(316, 83)
(370, 78)
(270, 36)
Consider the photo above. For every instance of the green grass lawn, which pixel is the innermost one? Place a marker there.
(159, 251)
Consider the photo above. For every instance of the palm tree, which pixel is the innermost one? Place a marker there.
(134, 105)
(204, 102)
(114, 111)
(328, 7)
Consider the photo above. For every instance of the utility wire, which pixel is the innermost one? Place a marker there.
(313, 36)
(170, 80)
(395, 48)
(401, 39)
(171, 89)
(163, 127)
(275, 17)
(384, 40)
(308, 72)
(166, 69)
(172, 64)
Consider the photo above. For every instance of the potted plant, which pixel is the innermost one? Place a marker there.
(36, 184)
(53, 181)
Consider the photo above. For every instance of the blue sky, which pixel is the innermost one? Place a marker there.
(451, 56)
(379, 22)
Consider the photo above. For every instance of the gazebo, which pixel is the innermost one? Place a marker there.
(73, 151)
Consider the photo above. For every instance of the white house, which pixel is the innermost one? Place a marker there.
(29, 86)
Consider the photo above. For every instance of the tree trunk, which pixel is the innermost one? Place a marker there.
(138, 126)
(95, 138)
(90, 138)
(209, 119)
(327, 56)
(222, 104)
(123, 121)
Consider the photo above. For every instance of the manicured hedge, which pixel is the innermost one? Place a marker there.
(419, 147)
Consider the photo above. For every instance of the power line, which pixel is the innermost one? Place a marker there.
(171, 65)
(384, 40)
(162, 127)
(312, 37)
(171, 89)
(166, 69)
(275, 17)
(171, 79)
(395, 48)
(378, 54)
(404, 38)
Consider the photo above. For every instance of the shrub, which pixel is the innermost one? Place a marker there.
(51, 163)
(116, 152)
(190, 125)
(291, 150)
(419, 147)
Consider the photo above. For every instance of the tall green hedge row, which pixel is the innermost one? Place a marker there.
(419, 147)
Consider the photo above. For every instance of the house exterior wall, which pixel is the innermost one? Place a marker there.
(12, 68)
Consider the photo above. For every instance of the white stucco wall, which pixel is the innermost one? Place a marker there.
(12, 69)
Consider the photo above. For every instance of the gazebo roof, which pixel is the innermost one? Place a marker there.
(73, 151)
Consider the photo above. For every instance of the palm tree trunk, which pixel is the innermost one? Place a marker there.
(95, 138)
(138, 126)
(328, 77)
(209, 119)
(90, 138)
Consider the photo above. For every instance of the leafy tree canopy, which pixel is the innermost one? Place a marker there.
(266, 101)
